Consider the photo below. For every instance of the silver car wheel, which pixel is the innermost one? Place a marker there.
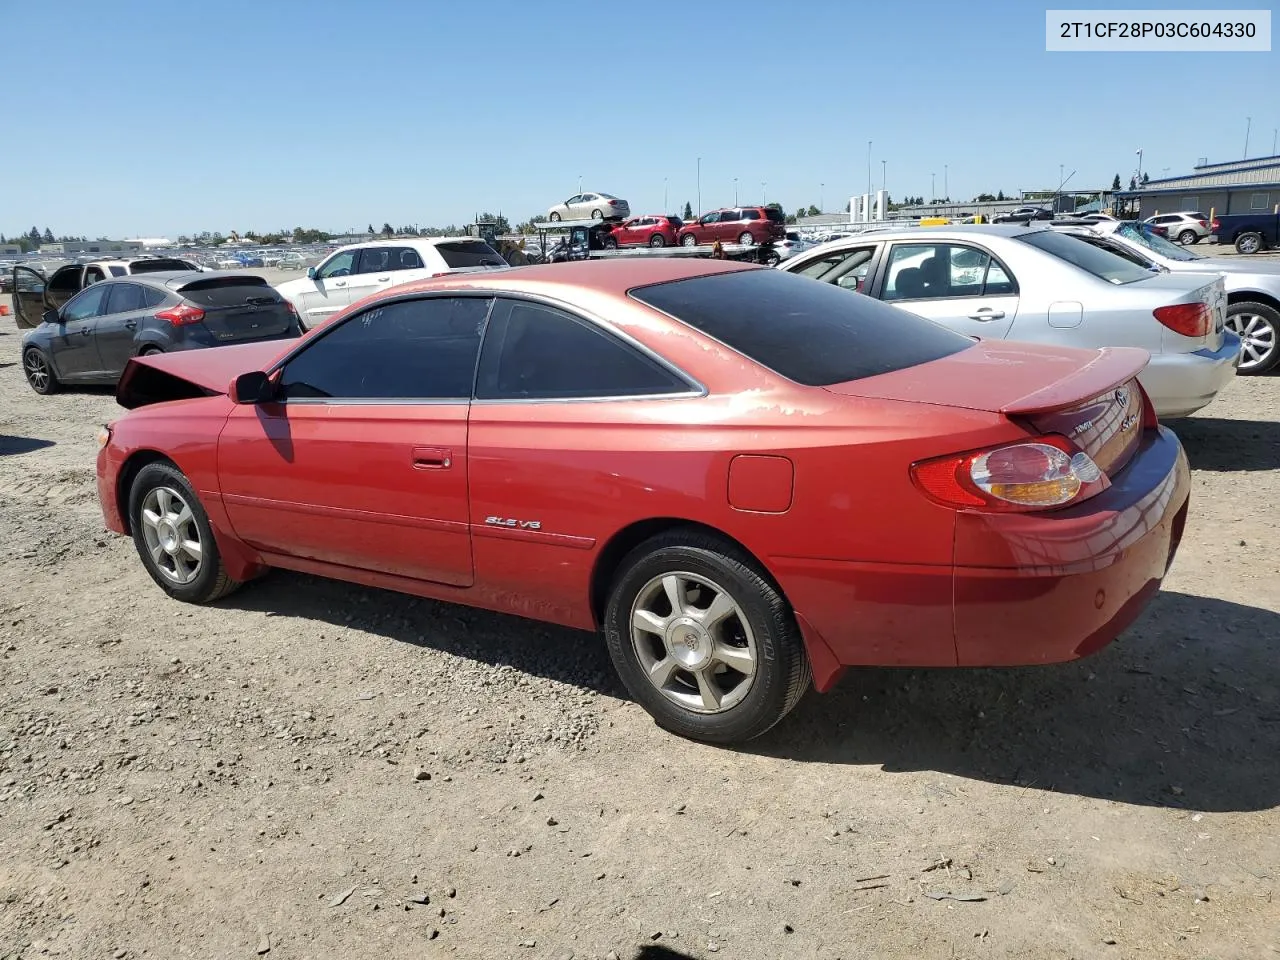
(172, 537)
(694, 642)
(1257, 338)
(37, 370)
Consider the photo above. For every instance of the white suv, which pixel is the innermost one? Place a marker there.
(1187, 227)
(353, 273)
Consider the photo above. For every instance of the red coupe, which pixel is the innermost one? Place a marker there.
(742, 477)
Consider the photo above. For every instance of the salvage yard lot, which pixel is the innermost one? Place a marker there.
(294, 769)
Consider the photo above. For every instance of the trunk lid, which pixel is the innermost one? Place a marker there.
(1091, 397)
(238, 308)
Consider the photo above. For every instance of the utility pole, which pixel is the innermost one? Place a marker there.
(933, 187)
(868, 166)
(946, 190)
(664, 194)
(735, 191)
(698, 212)
(821, 191)
(884, 174)
(764, 192)
(1248, 125)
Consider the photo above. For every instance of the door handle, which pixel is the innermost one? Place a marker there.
(387, 277)
(85, 332)
(432, 458)
(986, 313)
(339, 283)
(131, 324)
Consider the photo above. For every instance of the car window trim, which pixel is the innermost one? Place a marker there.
(695, 388)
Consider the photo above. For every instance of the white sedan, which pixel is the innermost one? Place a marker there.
(1044, 286)
(352, 273)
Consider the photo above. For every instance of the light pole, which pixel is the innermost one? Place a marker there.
(1139, 165)
(764, 192)
(1248, 125)
(868, 166)
(579, 183)
(946, 190)
(822, 187)
(884, 174)
(698, 212)
(933, 187)
(735, 191)
(664, 194)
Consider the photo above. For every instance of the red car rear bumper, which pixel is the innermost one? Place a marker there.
(1024, 588)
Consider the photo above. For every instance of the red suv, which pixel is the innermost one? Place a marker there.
(654, 231)
(745, 225)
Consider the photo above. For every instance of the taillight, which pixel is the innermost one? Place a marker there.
(1203, 224)
(1188, 319)
(1215, 225)
(182, 315)
(1038, 474)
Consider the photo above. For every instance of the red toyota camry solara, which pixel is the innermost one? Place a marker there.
(746, 479)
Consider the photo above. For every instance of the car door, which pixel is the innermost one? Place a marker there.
(64, 284)
(549, 479)
(726, 229)
(118, 323)
(960, 285)
(74, 346)
(327, 292)
(628, 232)
(361, 462)
(381, 267)
(28, 296)
(705, 230)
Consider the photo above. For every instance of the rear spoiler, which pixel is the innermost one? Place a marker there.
(1110, 368)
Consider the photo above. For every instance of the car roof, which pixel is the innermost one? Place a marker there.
(172, 279)
(411, 241)
(959, 230)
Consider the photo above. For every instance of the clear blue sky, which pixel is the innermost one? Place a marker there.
(147, 118)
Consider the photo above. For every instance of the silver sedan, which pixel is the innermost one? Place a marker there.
(590, 206)
(1041, 285)
(1252, 285)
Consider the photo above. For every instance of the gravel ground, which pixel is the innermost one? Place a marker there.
(316, 770)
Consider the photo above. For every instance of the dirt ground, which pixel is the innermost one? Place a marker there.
(243, 780)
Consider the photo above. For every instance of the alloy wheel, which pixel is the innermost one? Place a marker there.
(1257, 338)
(171, 535)
(694, 642)
(37, 370)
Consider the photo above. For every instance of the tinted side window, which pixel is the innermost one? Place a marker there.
(811, 333)
(750, 214)
(532, 352)
(152, 297)
(411, 349)
(124, 298)
(87, 303)
(374, 260)
(65, 280)
(469, 253)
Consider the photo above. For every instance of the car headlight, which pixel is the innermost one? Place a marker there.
(103, 436)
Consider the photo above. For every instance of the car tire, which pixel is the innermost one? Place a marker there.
(167, 520)
(553, 216)
(718, 701)
(610, 244)
(772, 260)
(1249, 243)
(597, 215)
(746, 239)
(38, 369)
(149, 351)
(688, 240)
(1187, 237)
(657, 240)
(1258, 326)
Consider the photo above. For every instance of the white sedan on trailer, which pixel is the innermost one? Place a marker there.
(354, 272)
(1044, 286)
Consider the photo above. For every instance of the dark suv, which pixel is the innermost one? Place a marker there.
(745, 225)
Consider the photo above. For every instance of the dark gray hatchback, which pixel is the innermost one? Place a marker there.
(91, 337)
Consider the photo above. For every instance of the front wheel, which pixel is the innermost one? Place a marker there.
(1249, 243)
(1188, 237)
(1258, 327)
(688, 240)
(657, 240)
(703, 640)
(39, 372)
(174, 538)
(554, 217)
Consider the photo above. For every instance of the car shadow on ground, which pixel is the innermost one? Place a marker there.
(1229, 445)
(539, 649)
(1183, 711)
(14, 445)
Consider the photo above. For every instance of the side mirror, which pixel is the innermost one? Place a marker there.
(255, 387)
(51, 316)
(311, 273)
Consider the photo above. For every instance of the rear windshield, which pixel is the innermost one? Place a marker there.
(223, 291)
(775, 214)
(810, 332)
(158, 265)
(1102, 264)
(470, 253)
